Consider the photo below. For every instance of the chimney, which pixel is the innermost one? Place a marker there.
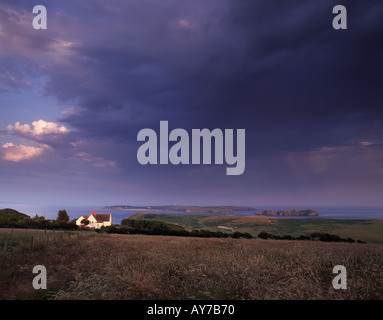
(94, 213)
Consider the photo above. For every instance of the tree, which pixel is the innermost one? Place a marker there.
(62, 216)
(247, 235)
(265, 235)
(85, 222)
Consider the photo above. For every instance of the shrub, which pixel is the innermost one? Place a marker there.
(265, 235)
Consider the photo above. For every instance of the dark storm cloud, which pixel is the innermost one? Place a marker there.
(301, 80)
(280, 71)
(270, 68)
(306, 94)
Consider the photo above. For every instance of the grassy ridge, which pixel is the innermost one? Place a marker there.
(369, 230)
(11, 214)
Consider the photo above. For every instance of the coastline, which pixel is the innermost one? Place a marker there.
(325, 212)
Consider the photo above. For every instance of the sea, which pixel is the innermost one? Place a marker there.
(74, 212)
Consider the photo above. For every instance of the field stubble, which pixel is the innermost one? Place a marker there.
(110, 266)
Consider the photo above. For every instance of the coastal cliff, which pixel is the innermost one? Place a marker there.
(307, 212)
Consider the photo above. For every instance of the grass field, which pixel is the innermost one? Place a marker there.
(111, 266)
(14, 236)
(370, 231)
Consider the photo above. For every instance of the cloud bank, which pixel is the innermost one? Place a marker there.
(308, 96)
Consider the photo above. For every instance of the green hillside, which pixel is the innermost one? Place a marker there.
(369, 230)
(12, 215)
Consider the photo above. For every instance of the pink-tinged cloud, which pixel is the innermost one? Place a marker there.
(14, 153)
(50, 135)
(366, 143)
(40, 127)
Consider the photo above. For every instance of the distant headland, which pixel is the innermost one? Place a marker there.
(186, 209)
(215, 209)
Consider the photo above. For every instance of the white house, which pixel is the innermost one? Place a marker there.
(96, 220)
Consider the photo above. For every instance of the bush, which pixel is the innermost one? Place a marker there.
(154, 227)
(265, 235)
(315, 236)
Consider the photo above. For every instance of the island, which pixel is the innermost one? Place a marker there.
(307, 212)
(215, 210)
(186, 209)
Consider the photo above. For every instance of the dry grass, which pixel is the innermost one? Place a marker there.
(159, 267)
(15, 236)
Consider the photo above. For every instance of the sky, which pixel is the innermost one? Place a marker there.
(73, 98)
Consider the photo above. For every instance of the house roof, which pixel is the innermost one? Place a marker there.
(101, 217)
